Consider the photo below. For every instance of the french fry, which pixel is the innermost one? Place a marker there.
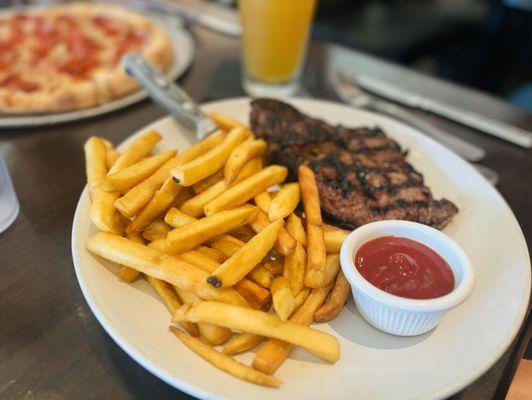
(263, 201)
(295, 228)
(139, 149)
(95, 163)
(226, 123)
(285, 202)
(274, 352)
(125, 273)
(301, 296)
(200, 260)
(245, 190)
(275, 267)
(336, 300)
(261, 323)
(215, 254)
(261, 276)
(160, 201)
(224, 362)
(211, 161)
(184, 194)
(243, 261)
(111, 154)
(177, 218)
(206, 183)
(157, 229)
(334, 239)
(214, 335)
(189, 236)
(257, 297)
(285, 243)
(240, 155)
(316, 257)
(159, 265)
(241, 343)
(310, 195)
(294, 268)
(227, 245)
(243, 233)
(167, 293)
(128, 177)
(103, 214)
(282, 297)
(332, 266)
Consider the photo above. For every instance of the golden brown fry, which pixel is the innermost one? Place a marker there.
(275, 267)
(242, 343)
(336, 300)
(215, 254)
(274, 352)
(332, 266)
(301, 296)
(294, 268)
(184, 194)
(125, 273)
(282, 297)
(95, 163)
(316, 257)
(160, 201)
(111, 153)
(295, 228)
(245, 190)
(285, 202)
(257, 297)
(310, 195)
(177, 218)
(261, 323)
(224, 362)
(263, 201)
(243, 261)
(139, 149)
(126, 178)
(189, 236)
(261, 276)
(103, 214)
(334, 239)
(211, 161)
(157, 229)
(227, 245)
(285, 243)
(240, 155)
(199, 260)
(159, 265)
(226, 123)
(206, 183)
(242, 233)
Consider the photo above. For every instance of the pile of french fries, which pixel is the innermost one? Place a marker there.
(219, 238)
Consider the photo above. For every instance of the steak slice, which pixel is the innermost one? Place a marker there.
(362, 174)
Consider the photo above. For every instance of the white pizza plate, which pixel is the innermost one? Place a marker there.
(183, 48)
(373, 364)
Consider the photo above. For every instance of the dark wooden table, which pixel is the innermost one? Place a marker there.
(51, 346)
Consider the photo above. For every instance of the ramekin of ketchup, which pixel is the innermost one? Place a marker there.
(405, 276)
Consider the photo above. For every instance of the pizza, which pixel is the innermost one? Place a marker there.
(68, 57)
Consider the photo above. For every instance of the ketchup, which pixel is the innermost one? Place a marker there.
(404, 267)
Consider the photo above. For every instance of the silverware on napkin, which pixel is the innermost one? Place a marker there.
(168, 95)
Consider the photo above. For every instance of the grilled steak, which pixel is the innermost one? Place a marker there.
(362, 174)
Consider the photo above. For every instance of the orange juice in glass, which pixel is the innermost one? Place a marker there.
(275, 35)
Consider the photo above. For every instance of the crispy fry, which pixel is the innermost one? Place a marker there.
(159, 265)
(226, 123)
(243, 261)
(167, 293)
(111, 153)
(215, 254)
(294, 268)
(240, 155)
(206, 183)
(310, 195)
(285, 243)
(274, 352)
(282, 297)
(157, 229)
(189, 236)
(334, 304)
(275, 267)
(295, 228)
(316, 257)
(139, 149)
(261, 276)
(214, 335)
(334, 239)
(126, 178)
(245, 190)
(184, 194)
(160, 201)
(95, 163)
(332, 266)
(211, 161)
(257, 297)
(103, 214)
(227, 245)
(243, 233)
(224, 362)
(125, 273)
(199, 260)
(285, 202)
(177, 218)
(263, 201)
(261, 323)
(242, 343)
(301, 296)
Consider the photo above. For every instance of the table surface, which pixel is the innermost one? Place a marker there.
(51, 346)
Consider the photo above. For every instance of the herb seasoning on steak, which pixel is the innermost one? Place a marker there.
(362, 174)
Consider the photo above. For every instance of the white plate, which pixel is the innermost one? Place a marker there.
(183, 48)
(373, 365)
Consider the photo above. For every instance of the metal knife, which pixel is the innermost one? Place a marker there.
(168, 95)
(352, 94)
(482, 123)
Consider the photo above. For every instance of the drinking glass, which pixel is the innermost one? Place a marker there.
(9, 206)
(275, 36)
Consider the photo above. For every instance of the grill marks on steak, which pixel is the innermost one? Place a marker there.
(362, 174)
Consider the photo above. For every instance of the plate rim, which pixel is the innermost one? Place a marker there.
(182, 385)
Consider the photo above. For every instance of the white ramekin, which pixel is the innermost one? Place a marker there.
(399, 315)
